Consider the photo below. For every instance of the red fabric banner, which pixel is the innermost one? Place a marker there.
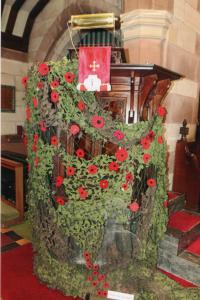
(94, 69)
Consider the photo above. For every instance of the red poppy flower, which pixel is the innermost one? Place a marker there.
(70, 171)
(60, 200)
(106, 285)
(160, 139)
(103, 184)
(86, 254)
(113, 166)
(54, 84)
(69, 77)
(89, 278)
(129, 177)
(124, 186)
(151, 135)
(40, 85)
(59, 181)
(25, 140)
(81, 105)
(105, 294)
(43, 69)
(35, 138)
(145, 142)
(151, 182)
(94, 283)
(24, 81)
(101, 277)
(96, 268)
(166, 203)
(118, 134)
(74, 129)
(99, 293)
(29, 167)
(161, 111)
(82, 193)
(121, 154)
(34, 148)
(134, 206)
(35, 102)
(89, 265)
(87, 259)
(28, 113)
(146, 157)
(95, 273)
(54, 97)
(42, 126)
(54, 140)
(97, 121)
(80, 153)
(36, 161)
(92, 169)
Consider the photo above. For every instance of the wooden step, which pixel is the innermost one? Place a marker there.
(184, 226)
(191, 257)
(168, 261)
(192, 252)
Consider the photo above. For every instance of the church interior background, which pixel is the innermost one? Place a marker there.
(164, 34)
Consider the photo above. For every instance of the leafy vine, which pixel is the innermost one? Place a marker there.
(76, 206)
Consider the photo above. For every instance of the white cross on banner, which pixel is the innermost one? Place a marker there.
(94, 69)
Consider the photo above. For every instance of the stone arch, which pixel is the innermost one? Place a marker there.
(59, 26)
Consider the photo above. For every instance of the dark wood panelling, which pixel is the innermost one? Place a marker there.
(7, 98)
(14, 54)
(13, 42)
(187, 173)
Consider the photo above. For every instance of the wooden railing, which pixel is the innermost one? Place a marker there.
(18, 204)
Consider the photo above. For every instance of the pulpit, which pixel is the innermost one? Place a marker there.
(136, 93)
(95, 198)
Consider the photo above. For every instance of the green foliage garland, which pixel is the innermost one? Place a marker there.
(89, 199)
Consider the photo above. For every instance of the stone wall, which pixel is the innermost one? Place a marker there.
(167, 32)
(11, 74)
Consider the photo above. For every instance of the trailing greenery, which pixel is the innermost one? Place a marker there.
(69, 213)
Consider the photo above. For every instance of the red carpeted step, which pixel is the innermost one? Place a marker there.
(179, 280)
(18, 282)
(5, 240)
(183, 221)
(172, 195)
(194, 247)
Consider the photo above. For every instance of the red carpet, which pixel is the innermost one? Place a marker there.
(179, 280)
(183, 221)
(5, 240)
(194, 247)
(18, 283)
(172, 195)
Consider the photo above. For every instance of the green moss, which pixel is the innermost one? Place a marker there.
(83, 221)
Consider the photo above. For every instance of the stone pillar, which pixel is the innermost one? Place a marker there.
(167, 33)
(144, 34)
